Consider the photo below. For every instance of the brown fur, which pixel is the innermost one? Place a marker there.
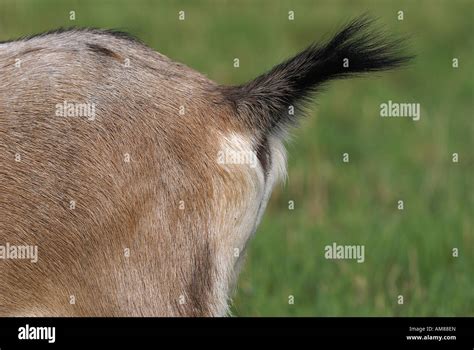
(119, 205)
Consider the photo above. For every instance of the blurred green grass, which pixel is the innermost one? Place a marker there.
(407, 252)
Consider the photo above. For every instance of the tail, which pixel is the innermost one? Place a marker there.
(266, 103)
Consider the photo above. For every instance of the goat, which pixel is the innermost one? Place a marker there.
(138, 180)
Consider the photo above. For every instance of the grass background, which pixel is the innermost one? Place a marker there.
(407, 252)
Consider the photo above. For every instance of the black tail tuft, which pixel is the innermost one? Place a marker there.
(265, 102)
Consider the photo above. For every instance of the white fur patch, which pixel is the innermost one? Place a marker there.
(237, 218)
(276, 173)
